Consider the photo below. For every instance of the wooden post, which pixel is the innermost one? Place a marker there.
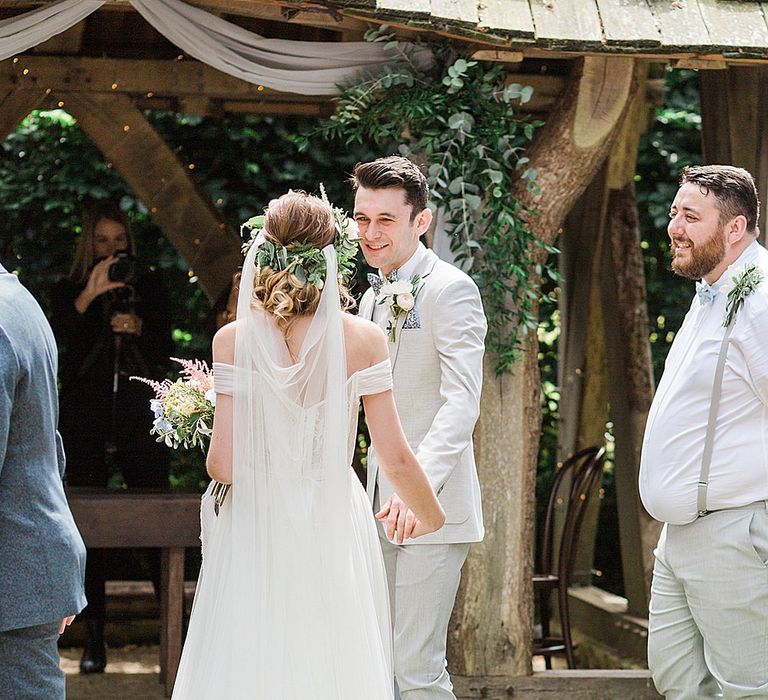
(582, 368)
(152, 170)
(734, 114)
(630, 369)
(171, 611)
(487, 637)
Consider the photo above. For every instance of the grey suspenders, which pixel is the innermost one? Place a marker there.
(706, 459)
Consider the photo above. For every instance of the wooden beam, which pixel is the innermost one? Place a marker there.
(308, 14)
(152, 170)
(499, 55)
(154, 82)
(582, 371)
(67, 42)
(734, 112)
(159, 78)
(15, 105)
(550, 685)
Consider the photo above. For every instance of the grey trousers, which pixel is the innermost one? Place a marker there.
(29, 664)
(708, 623)
(423, 580)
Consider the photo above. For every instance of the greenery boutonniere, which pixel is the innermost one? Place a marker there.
(400, 296)
(743, 285)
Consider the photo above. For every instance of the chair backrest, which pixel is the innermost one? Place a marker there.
(585, 470)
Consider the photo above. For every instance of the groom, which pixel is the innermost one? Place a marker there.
(436, 333)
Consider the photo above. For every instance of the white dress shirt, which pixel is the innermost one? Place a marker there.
(677, 423)
(382, 312)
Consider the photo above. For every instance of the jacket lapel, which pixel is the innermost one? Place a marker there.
(427, 265)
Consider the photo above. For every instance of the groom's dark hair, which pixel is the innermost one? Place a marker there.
(390, 173)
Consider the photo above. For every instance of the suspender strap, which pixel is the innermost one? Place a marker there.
(706, 459)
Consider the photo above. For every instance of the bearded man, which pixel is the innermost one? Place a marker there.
(704, 465)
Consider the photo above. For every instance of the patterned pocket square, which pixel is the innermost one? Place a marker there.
(412, 320)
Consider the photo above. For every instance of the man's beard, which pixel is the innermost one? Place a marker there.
(702, 259)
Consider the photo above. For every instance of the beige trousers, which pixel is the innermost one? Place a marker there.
(708, 623)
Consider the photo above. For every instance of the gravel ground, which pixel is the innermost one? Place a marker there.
(133, 673)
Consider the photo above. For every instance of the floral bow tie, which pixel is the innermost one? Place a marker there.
(376, 280)
(706, 293)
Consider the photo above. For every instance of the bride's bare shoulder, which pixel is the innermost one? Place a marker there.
(365, 341)
(224, 343)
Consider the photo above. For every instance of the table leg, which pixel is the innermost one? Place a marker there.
(171, 609)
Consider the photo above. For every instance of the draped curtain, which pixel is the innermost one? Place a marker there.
(304, 67)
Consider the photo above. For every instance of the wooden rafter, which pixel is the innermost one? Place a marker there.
(152, 170)
(195, 85)
(15, 105)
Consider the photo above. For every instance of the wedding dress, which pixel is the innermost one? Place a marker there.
(291, 603)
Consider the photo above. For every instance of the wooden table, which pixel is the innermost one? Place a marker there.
(168, 520)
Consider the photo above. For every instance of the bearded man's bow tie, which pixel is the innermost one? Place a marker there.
(706, 293)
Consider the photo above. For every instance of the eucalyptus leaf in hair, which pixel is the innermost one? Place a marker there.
(303, 260)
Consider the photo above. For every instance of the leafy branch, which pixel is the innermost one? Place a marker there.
(459, 117)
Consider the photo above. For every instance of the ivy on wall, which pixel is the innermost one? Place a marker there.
(459, 117)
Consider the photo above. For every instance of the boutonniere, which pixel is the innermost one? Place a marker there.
(744, 283)
(400, 296)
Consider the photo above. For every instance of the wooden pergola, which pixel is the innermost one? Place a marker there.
(594, 68)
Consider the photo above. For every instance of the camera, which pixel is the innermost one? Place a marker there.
(123, 269)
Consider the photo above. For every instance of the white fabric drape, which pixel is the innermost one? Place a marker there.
(304, 67)
(24, 31)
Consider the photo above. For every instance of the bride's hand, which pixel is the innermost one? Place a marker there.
(401, 522)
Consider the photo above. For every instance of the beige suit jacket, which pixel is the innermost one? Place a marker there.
(437, 370)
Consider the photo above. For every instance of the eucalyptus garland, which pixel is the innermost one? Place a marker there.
(459, 117)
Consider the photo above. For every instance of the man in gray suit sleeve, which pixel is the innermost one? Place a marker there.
(42, 557)
(436, 350)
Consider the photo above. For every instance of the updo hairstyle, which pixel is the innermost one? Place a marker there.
(296, 217)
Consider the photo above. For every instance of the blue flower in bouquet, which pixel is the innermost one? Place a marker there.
(183, 409)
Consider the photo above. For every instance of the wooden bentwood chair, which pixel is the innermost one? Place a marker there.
(585, 469)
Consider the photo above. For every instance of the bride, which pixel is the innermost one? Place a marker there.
(292, 602)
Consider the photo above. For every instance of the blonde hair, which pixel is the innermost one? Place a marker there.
(84, 253)
(296, 217)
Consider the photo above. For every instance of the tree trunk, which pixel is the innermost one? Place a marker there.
(492, 623)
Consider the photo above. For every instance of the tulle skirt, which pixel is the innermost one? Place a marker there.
(298, 632)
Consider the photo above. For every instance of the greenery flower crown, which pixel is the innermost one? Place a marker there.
(303, 260)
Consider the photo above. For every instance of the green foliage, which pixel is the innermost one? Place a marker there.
(459, 116)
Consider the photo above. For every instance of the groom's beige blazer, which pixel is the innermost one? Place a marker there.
(437, 360)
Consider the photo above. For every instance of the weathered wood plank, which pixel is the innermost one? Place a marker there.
(511, 16)
(554, 685)
(735, 24)
(411, 7)
(680, 23)
(629, 23)
(461, 11)
(567, 21)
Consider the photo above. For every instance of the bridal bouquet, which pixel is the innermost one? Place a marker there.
(183, 409)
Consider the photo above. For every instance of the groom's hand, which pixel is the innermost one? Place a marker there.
(399, 519)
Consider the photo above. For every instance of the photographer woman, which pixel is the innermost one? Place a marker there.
(110, 317)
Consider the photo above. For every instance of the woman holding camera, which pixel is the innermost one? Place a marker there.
(111, 321)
